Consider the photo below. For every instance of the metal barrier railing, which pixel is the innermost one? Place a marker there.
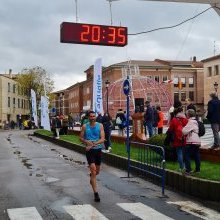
(149, 159)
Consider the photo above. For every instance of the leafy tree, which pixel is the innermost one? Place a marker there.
(35, 78)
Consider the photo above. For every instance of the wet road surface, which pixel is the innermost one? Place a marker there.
(40, 180)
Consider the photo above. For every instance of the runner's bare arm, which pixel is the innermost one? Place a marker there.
(102, 136)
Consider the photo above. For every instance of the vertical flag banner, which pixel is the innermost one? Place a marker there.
(45, 121)
(34, 107)
(97, 87)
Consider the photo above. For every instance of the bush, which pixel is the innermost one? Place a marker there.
(158, 140)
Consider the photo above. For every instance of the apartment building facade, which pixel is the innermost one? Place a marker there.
(212, 76)
(14, 103)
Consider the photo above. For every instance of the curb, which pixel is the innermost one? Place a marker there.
(200, 188)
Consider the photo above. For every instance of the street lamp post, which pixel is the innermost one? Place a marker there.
(106, 86)
(215, 87)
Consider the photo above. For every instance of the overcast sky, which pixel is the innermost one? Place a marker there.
(30, 34)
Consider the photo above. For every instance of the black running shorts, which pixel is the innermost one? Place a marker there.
(94, 156)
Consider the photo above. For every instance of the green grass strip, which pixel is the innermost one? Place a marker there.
(209, 170)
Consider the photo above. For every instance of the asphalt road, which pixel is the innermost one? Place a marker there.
(40, 180)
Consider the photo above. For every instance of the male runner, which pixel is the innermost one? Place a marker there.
(92, 135)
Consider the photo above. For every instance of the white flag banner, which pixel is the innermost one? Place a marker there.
(34, 107)
(45, 121)
(97, 87)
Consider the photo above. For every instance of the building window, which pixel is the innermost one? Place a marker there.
(9, 102)
(165, 78)
(14, 102)
(191, 95)
(191, 82)
(216, 70)
(183, 81)
(18, 103)
(175, 81)
(183, 96)
(209, 71)
(149, 77)
(14, 87)
(176, 96)
(9, 87)
(157, 79)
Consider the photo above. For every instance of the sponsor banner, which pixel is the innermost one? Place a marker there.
(34, 107)
(45, 121)
(97, 87)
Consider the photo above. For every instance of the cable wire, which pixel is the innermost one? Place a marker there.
(173, 26)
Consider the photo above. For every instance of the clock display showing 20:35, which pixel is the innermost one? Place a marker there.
(93, 34)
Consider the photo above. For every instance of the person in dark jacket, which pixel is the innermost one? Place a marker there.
(99, 117)
(214, 117)
(149, 119)
(107, 124)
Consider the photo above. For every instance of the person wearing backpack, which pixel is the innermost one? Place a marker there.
(176, 125)
(193, 142)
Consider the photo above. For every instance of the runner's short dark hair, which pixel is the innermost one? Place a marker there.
(91, 112)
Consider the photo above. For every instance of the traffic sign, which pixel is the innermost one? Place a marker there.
(126, 87)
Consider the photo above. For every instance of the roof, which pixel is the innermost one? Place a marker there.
(211, 58)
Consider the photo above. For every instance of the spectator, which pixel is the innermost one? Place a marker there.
(156, 120)
(190, 105)
(107, 124)
(99, 117)
(57, 127)
(85, 119)
(214, 117)
(176, 125)
(120, 122)
(65, 124)
(149, 119)
(12, 124)
(160, 120)
(70, 120)
(193, 141)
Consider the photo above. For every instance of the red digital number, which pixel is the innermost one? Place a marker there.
(96, 34)
(111, 35)
(121, 36)
(85, 34)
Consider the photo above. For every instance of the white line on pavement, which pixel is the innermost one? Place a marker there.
(197, 210)
(143, 211)
(27, 213)
(84, 212)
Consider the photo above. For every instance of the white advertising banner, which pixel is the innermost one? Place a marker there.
(97, 87)
(34, 107)
(45, 121)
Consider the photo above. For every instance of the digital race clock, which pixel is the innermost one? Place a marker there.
(78, 33)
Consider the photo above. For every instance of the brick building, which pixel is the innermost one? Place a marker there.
(188, 74)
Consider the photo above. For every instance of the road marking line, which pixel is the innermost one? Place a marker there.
(84, 212)
(24, 214)
(197, 210)
(143, 211)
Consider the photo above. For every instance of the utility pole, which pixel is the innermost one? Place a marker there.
(76, 11)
